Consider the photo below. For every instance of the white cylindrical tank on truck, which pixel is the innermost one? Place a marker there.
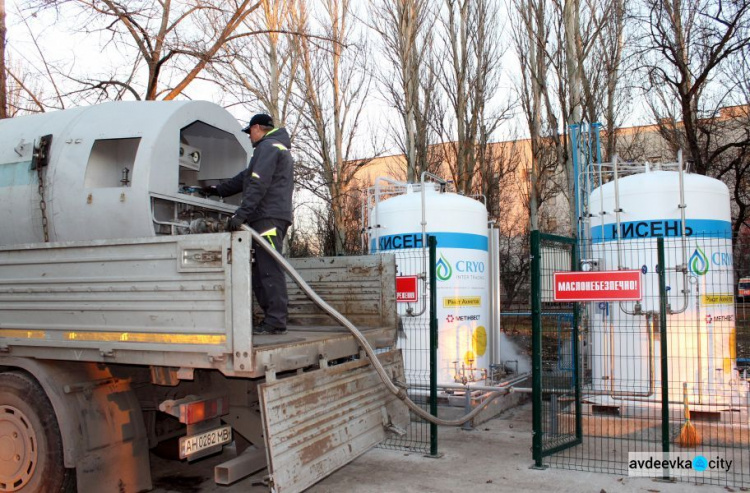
(116, 170)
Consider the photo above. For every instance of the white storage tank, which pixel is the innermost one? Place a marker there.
(625, 340)
(460, 226)
(116, 170)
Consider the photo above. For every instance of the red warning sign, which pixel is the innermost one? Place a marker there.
(612, 285)
(406, 289)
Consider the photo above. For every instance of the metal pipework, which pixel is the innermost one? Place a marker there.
(396, 390)
(377, 200)
(423, 275)
(483, 388)
(618, 395)
(682, 207)
(618, 210)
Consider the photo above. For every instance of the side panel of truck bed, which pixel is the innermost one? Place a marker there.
(157, 301)
(316, 422)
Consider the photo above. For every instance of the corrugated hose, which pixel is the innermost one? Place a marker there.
(392, 387)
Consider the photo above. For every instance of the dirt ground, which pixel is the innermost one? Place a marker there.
(495, 457)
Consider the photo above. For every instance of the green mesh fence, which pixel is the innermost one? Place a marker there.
(615, 380)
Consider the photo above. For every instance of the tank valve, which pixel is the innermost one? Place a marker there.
(125, 181)
(637, 309)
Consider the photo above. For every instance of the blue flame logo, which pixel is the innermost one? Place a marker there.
(443, 269)
(698, 262)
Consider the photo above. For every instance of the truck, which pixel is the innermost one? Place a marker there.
(743, 289)
(126, 315)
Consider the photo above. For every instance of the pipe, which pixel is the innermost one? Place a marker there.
(424, 240)
(423, 276)
(682, 207)
(698, 334)
(377, 201)
(483, 388)
(363, 234)
(392, 387)
(618, 395)
(618, 210)
(496, 302)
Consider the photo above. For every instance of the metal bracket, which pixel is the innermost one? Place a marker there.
(216, 357)
(388, 423)
(40, 154)
(186, 373)
(270, 374)
(107, 353)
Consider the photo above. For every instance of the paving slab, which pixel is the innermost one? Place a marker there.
(494, 457)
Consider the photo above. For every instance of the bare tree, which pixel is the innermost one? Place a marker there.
(530, 35)
(406, 31)
(334, 86)
(3, 73)
(263, 71)
(687, 43)
(175, 41)
(469, 77)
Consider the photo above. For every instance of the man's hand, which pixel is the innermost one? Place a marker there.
(235, 223)
(209, 191)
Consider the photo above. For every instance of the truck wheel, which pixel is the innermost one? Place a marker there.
(31, 454)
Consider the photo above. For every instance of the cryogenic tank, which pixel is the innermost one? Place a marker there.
(115, 170)
(460, 226)
(625, 339)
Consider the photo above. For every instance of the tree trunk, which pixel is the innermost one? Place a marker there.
(3, 81)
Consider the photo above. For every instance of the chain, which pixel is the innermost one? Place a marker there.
(42, 203)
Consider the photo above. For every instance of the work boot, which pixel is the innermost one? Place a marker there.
(263, 329)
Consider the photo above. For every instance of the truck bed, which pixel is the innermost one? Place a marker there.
(182, 302)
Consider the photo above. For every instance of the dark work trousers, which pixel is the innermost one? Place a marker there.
(269, 281)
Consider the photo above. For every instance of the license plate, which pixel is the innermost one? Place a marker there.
(191, 445)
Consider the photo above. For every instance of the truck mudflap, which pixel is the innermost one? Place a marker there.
(316, 422)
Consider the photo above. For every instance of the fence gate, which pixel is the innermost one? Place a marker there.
(556, 393)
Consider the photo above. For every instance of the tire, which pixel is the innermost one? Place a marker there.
(31, 453)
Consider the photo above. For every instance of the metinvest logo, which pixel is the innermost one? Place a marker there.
(443, 269)
(698, 262)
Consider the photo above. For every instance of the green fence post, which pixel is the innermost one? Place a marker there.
(663, 347)
(536, 348)
(574, 266)
(432, 243)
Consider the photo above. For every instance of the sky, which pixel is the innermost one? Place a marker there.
(62, 40)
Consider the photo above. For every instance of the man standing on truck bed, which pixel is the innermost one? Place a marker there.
(266, 186)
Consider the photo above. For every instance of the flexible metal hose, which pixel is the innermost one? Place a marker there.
(392, 387)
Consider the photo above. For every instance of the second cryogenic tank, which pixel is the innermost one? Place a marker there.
(625, 339)
(460, 226)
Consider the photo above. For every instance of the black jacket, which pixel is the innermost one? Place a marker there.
(267, 183)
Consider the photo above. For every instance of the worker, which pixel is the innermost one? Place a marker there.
(266, 186)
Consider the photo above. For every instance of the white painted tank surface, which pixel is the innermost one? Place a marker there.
(625, 340)
(460, 225)
(116, 170)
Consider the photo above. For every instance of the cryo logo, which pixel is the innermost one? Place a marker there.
(470, 266)
(698, 262)
(443, 269)
(721, 259)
